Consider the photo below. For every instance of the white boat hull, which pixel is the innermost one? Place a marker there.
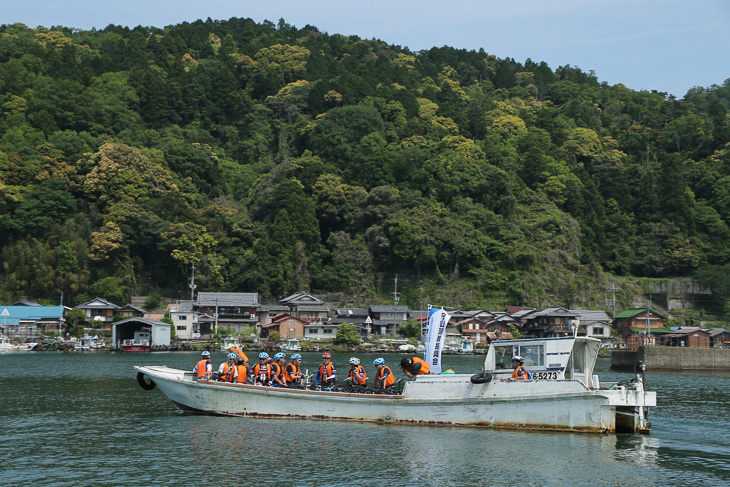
(439, 400)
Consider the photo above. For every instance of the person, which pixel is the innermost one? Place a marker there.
(277, 366)
(203, 370)
(292, 372)
(520, 372)
(384, 377)
(414, 366)
(241, 375)
(238, 352)
(356, 375)
(228, 368)
(261, 371)
(326, 374)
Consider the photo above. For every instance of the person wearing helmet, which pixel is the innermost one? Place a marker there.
(238, 352)
(204, 369)
(384, 377)
(277, 366)
(292, 372)
(261, 371)
(228, 368)
(356, 375)
(241, 375)
(414, 366)
(326, 374)
(520, 372)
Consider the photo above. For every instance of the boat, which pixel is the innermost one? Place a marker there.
(140, 342)
(229, 342)
(94, 343)
(8, 346)
(563, 394)
(292, 345)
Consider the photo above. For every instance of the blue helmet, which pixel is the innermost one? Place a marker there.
(279, 355)
(205, 354)
(232, 356)
(378, 361)
(296, 356)
(264, 355)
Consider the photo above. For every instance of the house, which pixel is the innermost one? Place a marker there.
(28, 320)
(478, 330)
(354, 316)
(593, 324)
(551, 322)
(692, 337)
(129, 311)
(320, 330)
(305, 306)
(719, 337)
(639, 326)
(101, 311)
(235, 311)
(520, 313)
(387, 318)
(184, 319)
(268, 311)
(287, 327)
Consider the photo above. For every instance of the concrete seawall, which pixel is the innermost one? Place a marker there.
(673, 358)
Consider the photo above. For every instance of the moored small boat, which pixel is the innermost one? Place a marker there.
(563, 395)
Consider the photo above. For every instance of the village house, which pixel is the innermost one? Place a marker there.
(306, 307)
(719, 337)
(550, 322)
(594, 324)
(129, 311)
(692, 337)
(638, 326)
(99, 312)
(354, 316)
(184, 320)
(26, 320)
(287, 326)
(387, 318)
(235, 311)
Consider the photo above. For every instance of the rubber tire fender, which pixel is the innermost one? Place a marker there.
(482, 378)
(143, 384)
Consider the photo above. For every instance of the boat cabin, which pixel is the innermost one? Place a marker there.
(560, 358)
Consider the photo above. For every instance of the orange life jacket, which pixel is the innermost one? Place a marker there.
(326, 372)
(242, 374)
(425, 368)
(278, 371)
(290, 371)
(202, 368)
(360, 371)
(226, 372)
(260, 371)
(239, 353)
(389, 380)
(516, 373)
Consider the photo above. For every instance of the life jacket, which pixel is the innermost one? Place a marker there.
(202, 368)
(389, 380)
(226, 372)
(361, 371)
(262, 373)
(521, 373)
(326, 372)
(425, 368)
(239, 353)
(242, 374)
(290, 371)
(278, 371)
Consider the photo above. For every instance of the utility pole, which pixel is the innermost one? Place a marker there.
(647, 327)
(613, 300)
(395, 304)
(192, 285)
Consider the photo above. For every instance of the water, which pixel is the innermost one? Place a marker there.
(81, 419)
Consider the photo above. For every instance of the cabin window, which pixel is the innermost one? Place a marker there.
(533, 355)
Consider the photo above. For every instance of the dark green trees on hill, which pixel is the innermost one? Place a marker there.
(276, 159)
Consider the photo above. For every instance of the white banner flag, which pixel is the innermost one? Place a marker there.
(436, 337)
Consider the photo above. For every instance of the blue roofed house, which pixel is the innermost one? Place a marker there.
(26, 321)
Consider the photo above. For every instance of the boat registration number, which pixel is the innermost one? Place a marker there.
(545, 375)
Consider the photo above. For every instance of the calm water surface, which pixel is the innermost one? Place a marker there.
(81, 419)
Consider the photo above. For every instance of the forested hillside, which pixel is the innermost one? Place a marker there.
(278, 159)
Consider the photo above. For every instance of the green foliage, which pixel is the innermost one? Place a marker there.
(153, 301)
(347, 335)
(275, 336)
(410, 329)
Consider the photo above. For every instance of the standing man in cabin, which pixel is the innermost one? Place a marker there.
(326, 374)
(520, 372)
(384, 377)
(241, 375)
(414, 366)
(204, 369)
(228, 368)
(278, 370)
(262, 372)
(238, 352)
(292, 372)
(356, 375)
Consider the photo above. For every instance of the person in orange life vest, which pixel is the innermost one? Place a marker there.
(414, 366)
(326, 374)
(203, 370)
(384, 377)
(520, 372)
(292, 373)
(278, 367)
(356, 374)
(228, 368)
(261, 371)
(238, 352)
(241, 375)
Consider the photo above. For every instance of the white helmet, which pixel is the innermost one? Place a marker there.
(354, 361)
